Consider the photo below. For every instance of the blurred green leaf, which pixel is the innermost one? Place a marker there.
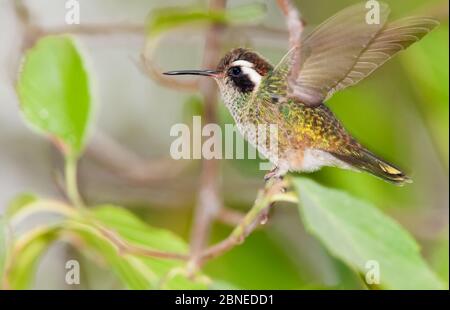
(27, 251)
(106, 231)
(137, 232)
(125, 267)
(440, 257)
(357, 233)
(136, 272)
(161, 20)
(54, 91)
(347, 278)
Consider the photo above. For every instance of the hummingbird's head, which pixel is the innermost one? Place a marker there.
(242, 70)
(238, 73)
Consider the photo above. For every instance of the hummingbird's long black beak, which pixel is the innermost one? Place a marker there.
(212, 73)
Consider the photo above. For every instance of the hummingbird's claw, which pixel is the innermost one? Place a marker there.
(274, 173)
(268, 176)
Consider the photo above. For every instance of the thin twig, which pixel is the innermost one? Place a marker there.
(209, 202)
(71, 181)
(128, 165)
(154, 72)
(125, 247)
(98, 29)
(295, 28)
(257, 215)
(229, 216)
(293, 21)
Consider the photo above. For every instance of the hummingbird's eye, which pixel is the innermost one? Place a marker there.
(235, 71)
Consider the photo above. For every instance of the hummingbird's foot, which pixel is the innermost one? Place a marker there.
(274, 173)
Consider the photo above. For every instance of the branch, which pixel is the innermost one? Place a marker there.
(229, 216)
(293, 21)
(257, 215)
(98, 29)
(295, 28)
(154, 72)
(130, 166)
(126, 248)
(209, 202)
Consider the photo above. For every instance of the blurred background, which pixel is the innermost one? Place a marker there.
(400, 112)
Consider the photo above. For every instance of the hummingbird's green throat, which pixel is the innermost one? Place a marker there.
(337, 54)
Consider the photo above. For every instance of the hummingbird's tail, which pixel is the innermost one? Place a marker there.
(365, 160)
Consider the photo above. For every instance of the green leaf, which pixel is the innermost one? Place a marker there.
(54, 91)
(136, 231)
(26, 253)
(107, 231)
(440, 257)
(164, 19)
(124, 266)
(357, 233)
(135, 271)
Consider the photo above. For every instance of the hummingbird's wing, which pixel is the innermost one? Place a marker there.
(345, 49)
(393, 38)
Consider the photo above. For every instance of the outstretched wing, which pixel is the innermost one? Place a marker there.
(393, 38)
(329, 52)
(343, 50)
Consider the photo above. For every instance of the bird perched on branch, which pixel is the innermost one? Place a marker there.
(339, 53)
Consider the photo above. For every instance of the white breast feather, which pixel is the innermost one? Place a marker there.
(315, 159)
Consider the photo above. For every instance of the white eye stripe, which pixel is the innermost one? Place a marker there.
(242, 63)
(254, 76)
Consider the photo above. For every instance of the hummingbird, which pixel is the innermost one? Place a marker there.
(339, 53)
